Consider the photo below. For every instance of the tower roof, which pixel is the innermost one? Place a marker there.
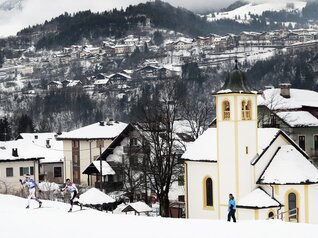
(236, 82)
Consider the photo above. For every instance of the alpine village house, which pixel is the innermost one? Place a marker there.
(266, 171)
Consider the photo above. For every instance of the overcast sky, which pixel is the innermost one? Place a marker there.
(37, 11)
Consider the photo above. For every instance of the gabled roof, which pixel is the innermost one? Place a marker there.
(45, 144)
(94, 168)
(299, 98)
(289, 166)
(275, 136)
(298, 118)
(101, 81)
(258, 199)
(137, 207)
(100, 130)
(24, 151)
(117, 141)
(204, 148)
(119, 74)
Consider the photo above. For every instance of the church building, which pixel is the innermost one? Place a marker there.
(269, 175)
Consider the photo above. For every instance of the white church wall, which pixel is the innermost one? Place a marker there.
(197, 171)
(246, 151)
(227, 162)
(313, 203)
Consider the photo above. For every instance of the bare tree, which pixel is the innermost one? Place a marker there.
(158, 113)
(134, 169)
(198, 114)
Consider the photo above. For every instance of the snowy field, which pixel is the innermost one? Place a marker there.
(53, 221)
(241, 14)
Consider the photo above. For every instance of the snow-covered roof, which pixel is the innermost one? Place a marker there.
(298, 118)
(25, 150)
(94, 196)
(73, 83)
(120, 74)
(100, 130)
(289, 166)
(272, 99)
(106, 168)
(205, 147)
(257, 199)
(138, 207)
(45, 144)
(101, 81)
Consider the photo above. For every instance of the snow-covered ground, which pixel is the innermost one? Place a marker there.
(53, 221)
(241, 14)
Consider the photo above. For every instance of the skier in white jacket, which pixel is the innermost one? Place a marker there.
(71, 187)
(31, 184)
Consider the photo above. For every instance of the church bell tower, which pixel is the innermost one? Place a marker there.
(237, 139)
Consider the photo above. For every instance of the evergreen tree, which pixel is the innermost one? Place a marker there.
(157, 38)
(25, 124)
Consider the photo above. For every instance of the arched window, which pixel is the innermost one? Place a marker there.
(208, 192)
(226, 110)
(271, 215)
(292, 205)
(246, 110)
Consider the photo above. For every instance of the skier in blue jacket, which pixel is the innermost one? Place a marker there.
(231, 208)
(31, 184)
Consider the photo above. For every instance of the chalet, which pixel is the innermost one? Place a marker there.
(54, 85)
(121, 50)
(202, 41)
(249, 36)
(296, 112)
(149, 71)
(296, 48)
(82, 146)
(183, 44)
(101, 84)
(118, 78)
(291, 38)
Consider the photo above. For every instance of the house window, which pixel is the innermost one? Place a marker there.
(302, 141)
(24, 170)
(133, 141)
(31, 170)
(246, 110)
(100, 143)
(57, 172)
(180, 180)
(226, 110)
(75, 143)
(316, 144)
(9, 172)
(208, 192)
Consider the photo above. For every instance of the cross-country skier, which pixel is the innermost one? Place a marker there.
(31, 184)
(71, 187)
